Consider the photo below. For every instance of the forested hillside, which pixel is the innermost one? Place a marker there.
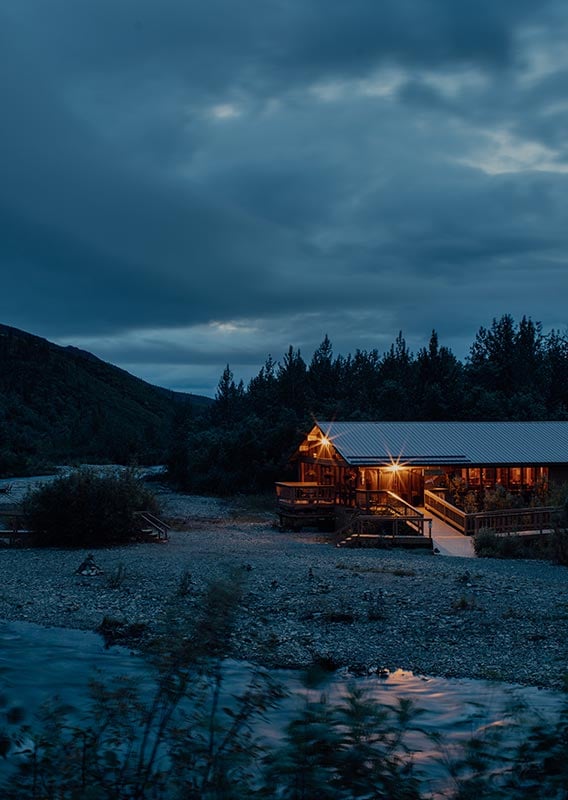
(61, 403)
(512, 372)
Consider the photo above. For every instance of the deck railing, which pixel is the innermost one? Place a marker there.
(509, 521)
(304, 494)
(375, 499)
(13, 527)
(446, 511)
(393, 525)
(371, 506)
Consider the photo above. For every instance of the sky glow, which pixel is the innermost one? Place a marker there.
(187, 185)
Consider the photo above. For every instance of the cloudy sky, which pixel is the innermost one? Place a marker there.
(186, 183)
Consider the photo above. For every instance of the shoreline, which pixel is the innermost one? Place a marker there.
(304, 600)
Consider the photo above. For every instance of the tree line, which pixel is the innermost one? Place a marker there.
(244, 442)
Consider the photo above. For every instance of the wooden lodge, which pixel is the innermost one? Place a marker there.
(404, 469)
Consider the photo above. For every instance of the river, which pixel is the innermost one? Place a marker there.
(37, 663)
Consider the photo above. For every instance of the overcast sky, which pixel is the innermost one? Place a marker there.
(188, 183)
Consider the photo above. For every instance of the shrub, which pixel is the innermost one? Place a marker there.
(488, 544)
(559, 546)
(499, 498)
(88, 509)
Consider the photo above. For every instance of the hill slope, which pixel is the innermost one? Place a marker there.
(61, 403)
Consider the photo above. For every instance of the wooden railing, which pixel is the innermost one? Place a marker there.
(292, 494)
(375, 499)
(378, 505)
(394, 526)
(13, 526)
(446, 511)
(155, 523)
(509, 521)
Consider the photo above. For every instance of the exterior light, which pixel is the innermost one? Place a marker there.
(324, 441)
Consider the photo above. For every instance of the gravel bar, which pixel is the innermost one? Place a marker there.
(305, 600)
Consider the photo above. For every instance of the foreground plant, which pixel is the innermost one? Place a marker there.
(179, 742)
(355, 749)
(181, 736)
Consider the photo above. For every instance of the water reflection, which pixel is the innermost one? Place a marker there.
(37, 663)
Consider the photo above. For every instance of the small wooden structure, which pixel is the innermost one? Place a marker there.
(13, 528)
(152, 526)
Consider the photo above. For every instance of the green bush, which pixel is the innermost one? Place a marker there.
(488, 544)
(88, 509)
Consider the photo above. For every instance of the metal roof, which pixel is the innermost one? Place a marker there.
(427, 443)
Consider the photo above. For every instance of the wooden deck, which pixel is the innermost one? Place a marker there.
(300, 505)
(366, 519)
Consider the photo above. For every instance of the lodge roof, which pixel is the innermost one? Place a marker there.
(448, 443)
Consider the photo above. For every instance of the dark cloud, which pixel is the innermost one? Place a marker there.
(186, 184)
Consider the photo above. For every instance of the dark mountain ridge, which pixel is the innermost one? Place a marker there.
(62, 403)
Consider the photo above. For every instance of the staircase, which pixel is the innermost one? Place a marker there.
(152, 526)
(385, 528)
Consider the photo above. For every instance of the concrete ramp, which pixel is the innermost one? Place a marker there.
(447, 540)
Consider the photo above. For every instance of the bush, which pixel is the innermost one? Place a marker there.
(488, 544)
(88, 509)
(560, 546)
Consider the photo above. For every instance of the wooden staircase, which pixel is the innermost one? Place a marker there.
(384, 530)
(152, 526)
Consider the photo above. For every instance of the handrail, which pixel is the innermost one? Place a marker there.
(510, 520)
(367, 498)
(455, 516)
(417, 521)
(406, 506)
(13, 519)
(155, 522)
(16, 529)
(291, 494)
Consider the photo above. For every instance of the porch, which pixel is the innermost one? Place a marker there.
(305, 504)
(363, 518)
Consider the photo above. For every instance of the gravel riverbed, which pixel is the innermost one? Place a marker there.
(304, 599)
